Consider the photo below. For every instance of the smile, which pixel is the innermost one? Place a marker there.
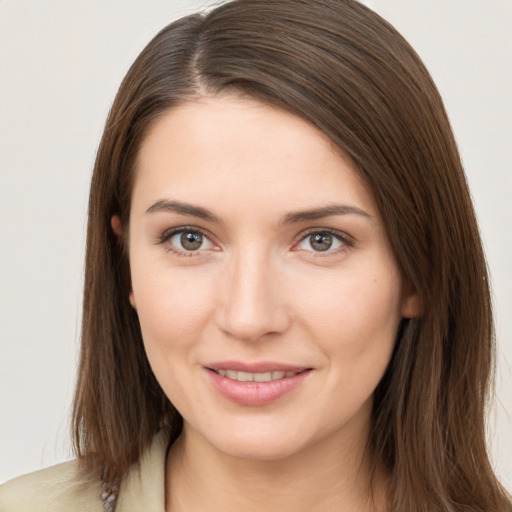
(255, 377)
(255, 384)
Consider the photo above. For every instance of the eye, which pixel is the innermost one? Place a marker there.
(187, 240)
(323, 241)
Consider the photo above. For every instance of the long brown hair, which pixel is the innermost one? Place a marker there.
(340, 66)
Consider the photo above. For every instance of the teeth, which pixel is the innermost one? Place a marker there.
(265, 377)
(254, 377)
(242, 376)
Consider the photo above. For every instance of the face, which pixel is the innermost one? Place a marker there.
(265, 285)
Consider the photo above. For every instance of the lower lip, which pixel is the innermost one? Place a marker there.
(255, 393)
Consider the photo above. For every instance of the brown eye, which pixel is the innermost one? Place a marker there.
(191, 240)
(188, 241)
(321, 241)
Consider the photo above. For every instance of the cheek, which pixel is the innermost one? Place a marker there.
(355, 327)
(173, 310)
(355, 320)
(172, 306)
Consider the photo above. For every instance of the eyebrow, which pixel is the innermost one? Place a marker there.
(290, 218)
(183, 209)
(320, 213)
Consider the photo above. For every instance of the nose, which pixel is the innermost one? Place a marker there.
(252, 303)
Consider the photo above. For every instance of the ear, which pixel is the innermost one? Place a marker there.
(117, 228)
(411, 305)
(115, 223)
(131, 296)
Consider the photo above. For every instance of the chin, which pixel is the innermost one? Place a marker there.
(265, 443)
(259, 450)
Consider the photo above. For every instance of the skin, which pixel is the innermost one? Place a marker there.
(257, 290)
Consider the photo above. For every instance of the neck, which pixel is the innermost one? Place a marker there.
(200, 479)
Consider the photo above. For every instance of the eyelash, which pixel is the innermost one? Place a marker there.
(346, 240)
(167, 235)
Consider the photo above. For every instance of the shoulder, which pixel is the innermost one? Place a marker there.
(62, 488)
(56, 489)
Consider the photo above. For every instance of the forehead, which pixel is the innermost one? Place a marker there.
(228, 148)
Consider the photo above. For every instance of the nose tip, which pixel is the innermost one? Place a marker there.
(246, 331)
(253, 305)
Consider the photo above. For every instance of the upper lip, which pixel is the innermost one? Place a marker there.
(257, 367)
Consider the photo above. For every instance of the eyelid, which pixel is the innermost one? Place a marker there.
(347, 240)
(165, 237)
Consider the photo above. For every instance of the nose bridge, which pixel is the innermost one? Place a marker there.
(252, 303)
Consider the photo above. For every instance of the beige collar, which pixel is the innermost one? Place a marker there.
(143, 488)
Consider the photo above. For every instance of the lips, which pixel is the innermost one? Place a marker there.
(255, 384)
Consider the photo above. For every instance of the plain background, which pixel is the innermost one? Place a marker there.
(61, 62)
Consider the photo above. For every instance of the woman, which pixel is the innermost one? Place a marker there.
(286, 301)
